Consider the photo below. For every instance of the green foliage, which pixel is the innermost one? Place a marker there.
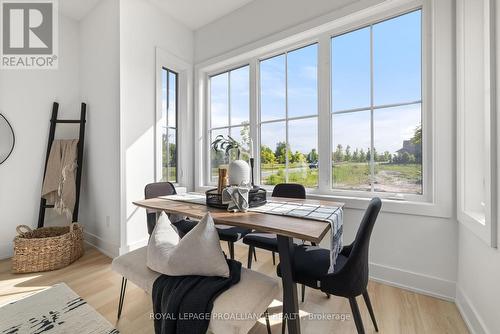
(267, 155)
(226, 145)
(417, 136)
(313, 156)
(281, 152)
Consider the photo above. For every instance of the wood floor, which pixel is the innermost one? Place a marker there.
(397, 310)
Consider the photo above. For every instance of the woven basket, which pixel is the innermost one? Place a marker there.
(46, 248)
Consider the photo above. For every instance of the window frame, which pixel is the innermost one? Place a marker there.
(426, 184)
(169, 127)
(207, 161)
(287, 118)
(184, 70)
(435, 201)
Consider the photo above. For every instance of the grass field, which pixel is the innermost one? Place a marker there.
(403, 178)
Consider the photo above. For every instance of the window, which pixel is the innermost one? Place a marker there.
(229, 114)
(289, 117)
(169, 106)
(376, 108)
(340, 113)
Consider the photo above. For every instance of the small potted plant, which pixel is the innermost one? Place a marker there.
(239, 170)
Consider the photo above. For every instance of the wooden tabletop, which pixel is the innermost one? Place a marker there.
(300, 228)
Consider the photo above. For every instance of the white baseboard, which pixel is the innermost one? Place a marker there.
(102, 245)
(420, 283)
(6, 250)
(133, 246)
(469, 313)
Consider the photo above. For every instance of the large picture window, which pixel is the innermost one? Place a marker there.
(377, 107)
(169, 108)
(229, 114)
(289, 117)
(341, 114)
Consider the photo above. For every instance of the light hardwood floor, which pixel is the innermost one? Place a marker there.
(397, 310)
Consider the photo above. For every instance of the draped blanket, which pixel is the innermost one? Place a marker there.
(59, 186)
(183, 304)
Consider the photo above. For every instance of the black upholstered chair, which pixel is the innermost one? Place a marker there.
(269, 241)
(230, 234)
(350, 279)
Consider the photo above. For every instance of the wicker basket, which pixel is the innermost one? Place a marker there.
(46, 248)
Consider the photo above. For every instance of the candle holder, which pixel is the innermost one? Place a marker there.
(251, 171)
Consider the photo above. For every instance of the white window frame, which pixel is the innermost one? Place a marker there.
(435, 201)
(184, 72)
(484, 225)
(287, 118)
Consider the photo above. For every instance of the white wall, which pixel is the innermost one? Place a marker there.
(415, 251)
(26, 98)
(100, 82)
(478, 288)
(143, 28)
(260, 19)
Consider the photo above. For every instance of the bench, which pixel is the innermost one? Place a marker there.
(252, 295)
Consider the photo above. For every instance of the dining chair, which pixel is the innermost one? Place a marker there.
(350, 278)
(229, 234)
(269, 241)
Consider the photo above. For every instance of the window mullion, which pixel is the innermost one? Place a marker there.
(372, 100)
(254, 116)
(324, 115)
(286, 118)
(166, 127)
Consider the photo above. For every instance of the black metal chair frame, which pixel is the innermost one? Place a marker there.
(342, 283)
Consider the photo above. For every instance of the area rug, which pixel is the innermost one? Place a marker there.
(57, 309)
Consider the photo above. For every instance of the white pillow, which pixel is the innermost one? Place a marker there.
(197, 253)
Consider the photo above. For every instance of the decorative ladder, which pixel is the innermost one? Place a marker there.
(53, 122)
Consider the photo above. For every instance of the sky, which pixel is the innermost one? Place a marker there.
(396, 79)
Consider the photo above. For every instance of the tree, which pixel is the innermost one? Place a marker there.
(355, 156)
(281, 152)
(312, 157)
(362, 156)
(368, 155)
(348, 155)
(417, 136)
(267, 155)
(298, 158)
(338, 156)
(387, 156)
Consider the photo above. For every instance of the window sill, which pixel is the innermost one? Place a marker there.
(406, 207)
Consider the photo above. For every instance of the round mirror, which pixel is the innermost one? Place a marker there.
(7, 139)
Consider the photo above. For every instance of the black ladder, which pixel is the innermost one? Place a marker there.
(53, 122)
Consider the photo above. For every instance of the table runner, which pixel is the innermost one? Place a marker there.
(330, 214)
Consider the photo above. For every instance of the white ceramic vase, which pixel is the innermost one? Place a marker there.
(239, 172)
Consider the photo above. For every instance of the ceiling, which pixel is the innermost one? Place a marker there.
(192, 13)
(76, 9)
(197, 13)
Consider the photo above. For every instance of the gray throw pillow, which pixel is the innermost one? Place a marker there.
(197, 253)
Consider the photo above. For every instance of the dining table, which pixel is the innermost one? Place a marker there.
(285, 227)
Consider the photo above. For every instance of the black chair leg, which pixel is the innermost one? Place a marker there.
(250, 254)
(274, 259)
(230, 245)
(356, 315)
(254, 254)
(268, 324)
(122, 296)
(303, 292)
(370, 309)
